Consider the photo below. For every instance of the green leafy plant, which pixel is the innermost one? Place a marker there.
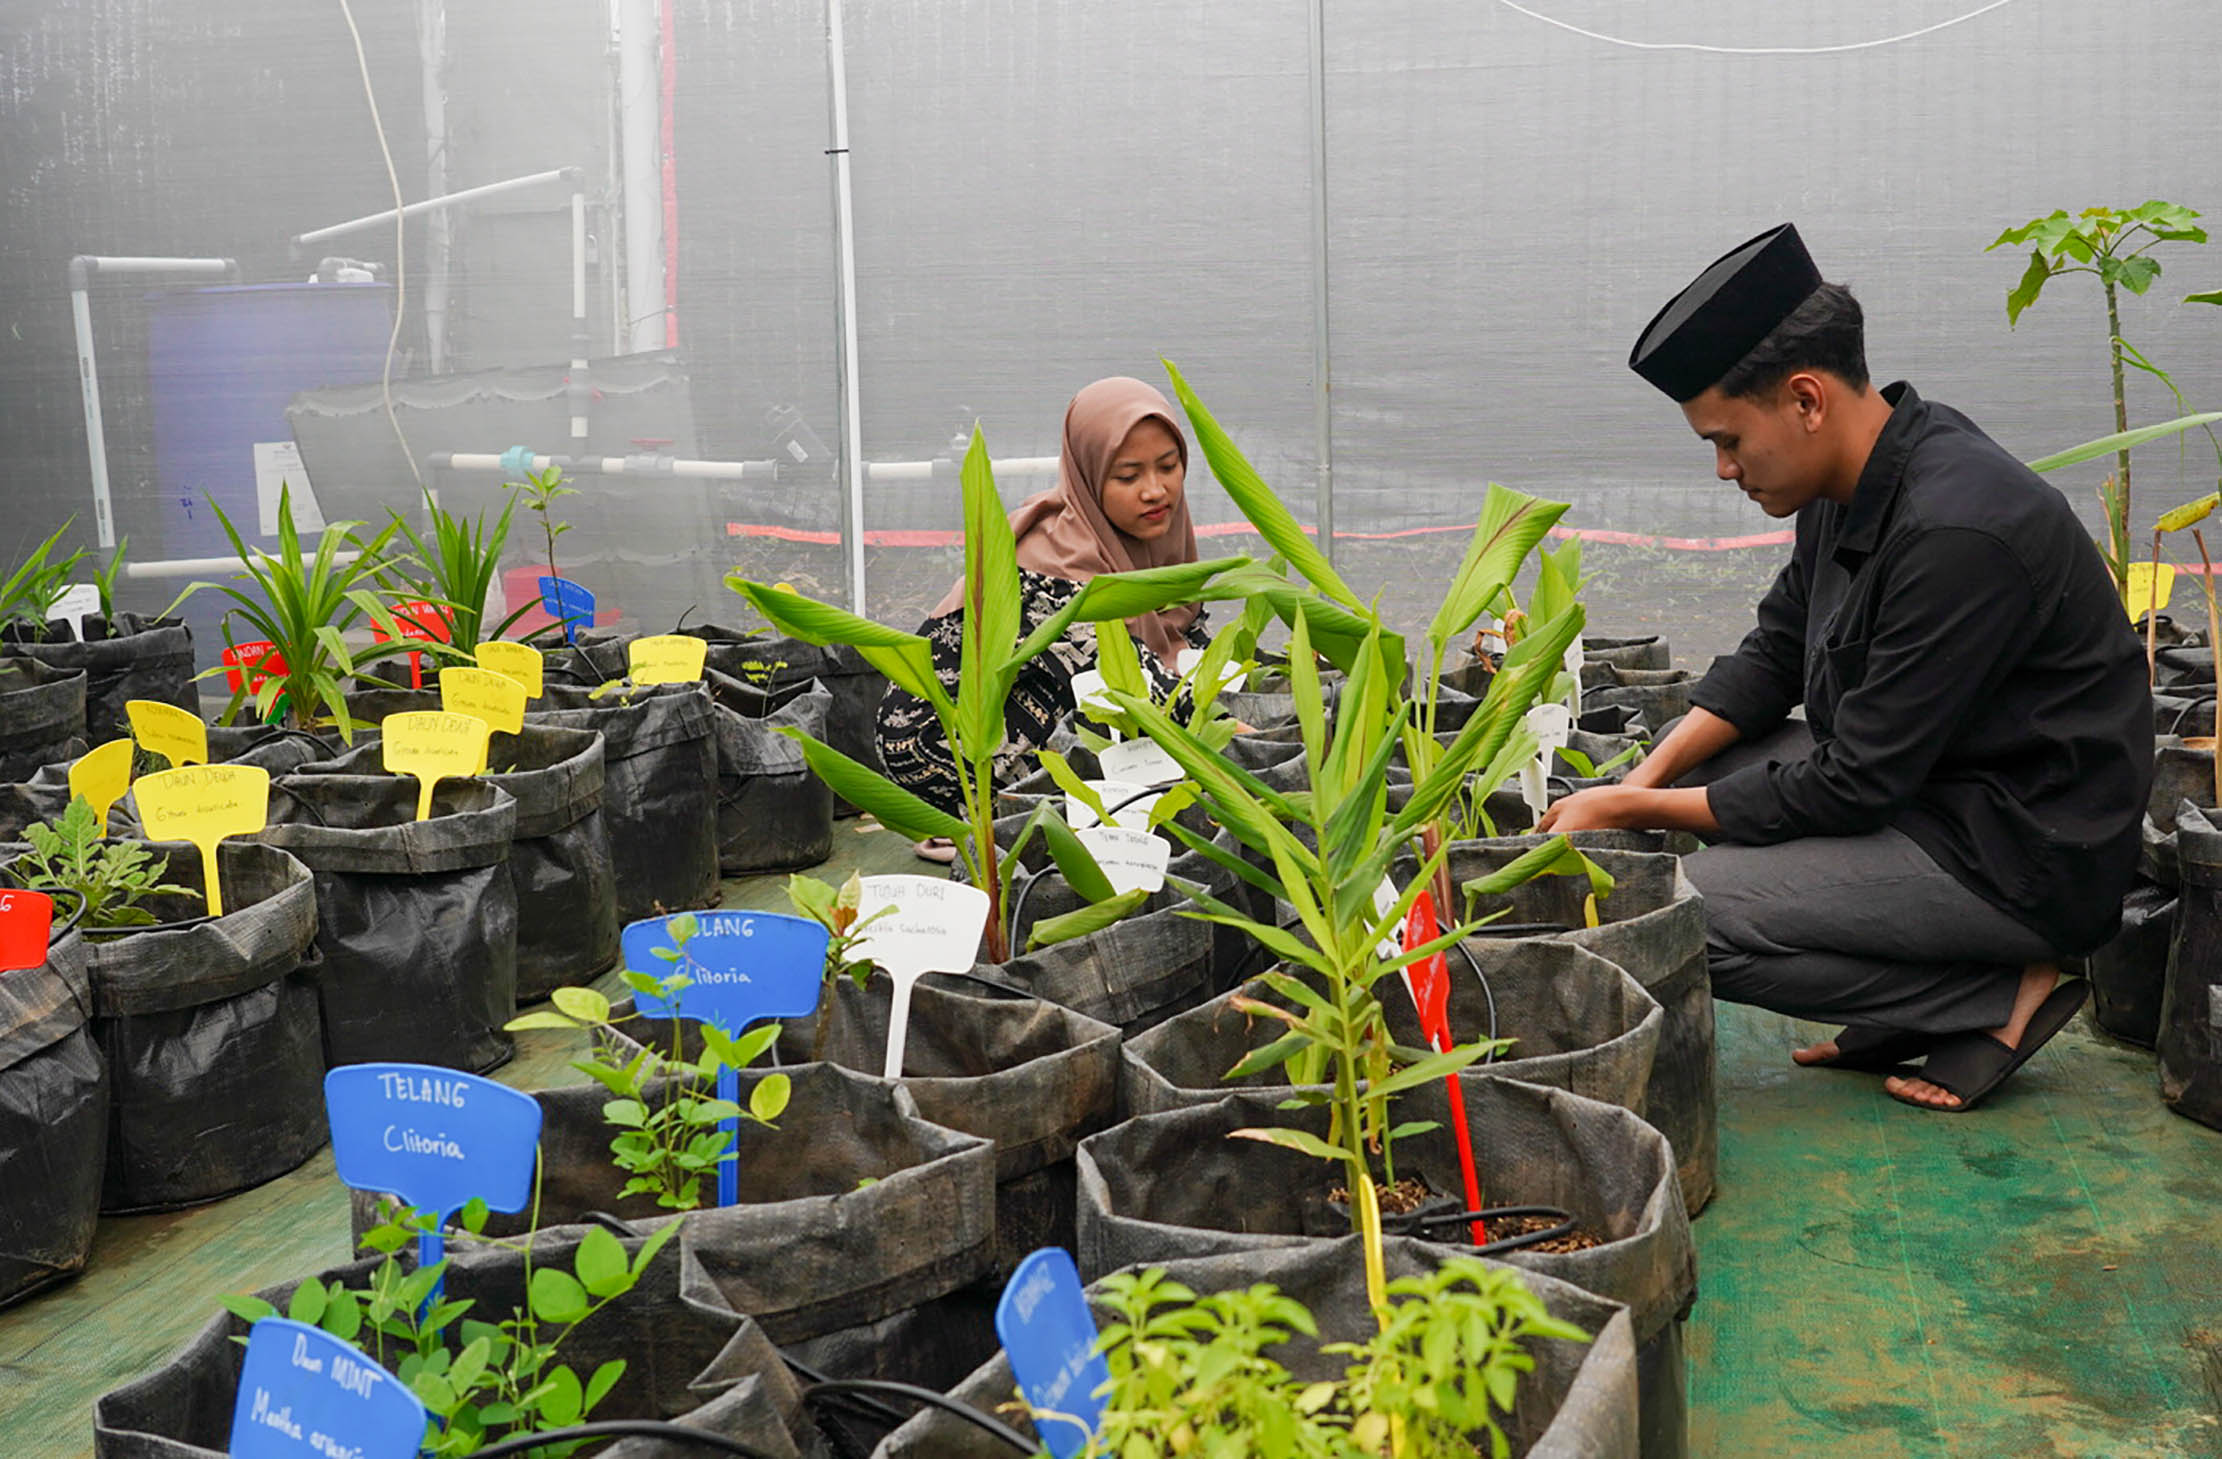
(105, 580)
(452, 564)
(837, 910)
(541, 491)
(668, 1128)
(31, 591)
(2114, 246)
(481, 1381)
(69, 854)
(303, 604)
(1195, 1376)
(992, 656)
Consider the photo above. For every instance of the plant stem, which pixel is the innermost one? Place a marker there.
(2152, 619)
(2214, 637)
(984, 849)
(2118, 519)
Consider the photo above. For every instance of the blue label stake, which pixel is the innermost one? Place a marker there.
(746, 967)
(437, 1138)
(304, 1394)
(1050, 1336)
(569, 604)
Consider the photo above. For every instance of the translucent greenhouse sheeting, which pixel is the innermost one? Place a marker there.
(1043, 194)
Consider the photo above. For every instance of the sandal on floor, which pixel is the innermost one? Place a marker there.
(1875, 1050)
(939, 849)
(1971, 1065)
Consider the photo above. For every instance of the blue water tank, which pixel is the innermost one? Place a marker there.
(221, 365)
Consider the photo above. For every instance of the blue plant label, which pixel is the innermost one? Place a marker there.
(437, 1138)
(567, 603)
(1050, 1335)
(746, 966)
(303, 1392)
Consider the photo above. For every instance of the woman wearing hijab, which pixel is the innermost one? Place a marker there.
(1119, 505)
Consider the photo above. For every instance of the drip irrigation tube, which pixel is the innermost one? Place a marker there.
(1563, 1225)
(862, 1387)
(625, 1428)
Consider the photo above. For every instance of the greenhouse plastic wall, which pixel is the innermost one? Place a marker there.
(1046, 193)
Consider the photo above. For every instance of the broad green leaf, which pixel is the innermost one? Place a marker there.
(1119, 595)
(2025, 293)
(540, 1019)
(583, 1004)
(1271, 1056)
(1510, 525)
(768, 1100)
(1555, 857)
(556, 1296)
(905, 658)
(1070, 782)
(598, 1387)
(601, 1264)
(1427, 1070)
(992, 602)
(2209, 296)
(2135, 273)
(894, 807)
(1075, 862)
(1300, 1141)
(1116, 658)
(2122, 441)
(1305, 690)
(1084, 921)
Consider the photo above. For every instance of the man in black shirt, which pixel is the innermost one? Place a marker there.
(1959, 808)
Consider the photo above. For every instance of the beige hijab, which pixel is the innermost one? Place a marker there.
(1063, 533)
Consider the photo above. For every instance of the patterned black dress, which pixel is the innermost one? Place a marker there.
(912, 746)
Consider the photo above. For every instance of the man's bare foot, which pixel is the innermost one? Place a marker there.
(2037, 982)
(1820, 1053)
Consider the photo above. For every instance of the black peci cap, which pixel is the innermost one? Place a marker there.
(1706, 329)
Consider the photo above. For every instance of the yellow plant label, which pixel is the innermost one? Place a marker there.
(495, 698)
(433, 745)
(520, 661)
(203, 804)
(168, 731)
(667, 658)
(2139, 596)
(102, 777)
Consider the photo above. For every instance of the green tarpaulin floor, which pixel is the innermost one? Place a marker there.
(2037, 1278)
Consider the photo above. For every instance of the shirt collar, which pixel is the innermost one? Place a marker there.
(1879, 479)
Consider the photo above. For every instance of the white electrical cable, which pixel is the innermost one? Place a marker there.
(400, 232)
(1634, 45)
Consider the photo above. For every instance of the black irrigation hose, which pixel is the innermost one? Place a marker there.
(2175, 726)
(1486, 992)
(1564, 1225)
(74, 918)
(864, 1402)
(995, 1428)
(1018, 899)
(624, 1428)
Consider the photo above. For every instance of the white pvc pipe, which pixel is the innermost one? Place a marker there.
(640, 126)
(195, 567)
(844, 235)
(447, 200)
(438, 237)
(580, 392)
(727, 470)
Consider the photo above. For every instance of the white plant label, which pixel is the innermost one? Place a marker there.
(1572, 663)
(1089, 693)
(78, 602)
(1143, 762)
(1552, 725)
(278, 469)
(1189, 659)
(1128, 802)
(935, 927)
(1131, 860)
(1490, 634)
(1384, 897)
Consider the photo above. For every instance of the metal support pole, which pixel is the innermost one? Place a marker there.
(639, 128)
(81, 271)
(844, 230)
(1323, 418)
(581, 391)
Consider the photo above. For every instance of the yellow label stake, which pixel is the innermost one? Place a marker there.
(520, 661)
(495, 698)
(102, 777)
(433, 745)
(168, 731)
(203, 804)
(2138, 596)
(667, 658)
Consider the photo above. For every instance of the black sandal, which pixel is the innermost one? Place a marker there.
(1876, 1050)
(1971, 1065)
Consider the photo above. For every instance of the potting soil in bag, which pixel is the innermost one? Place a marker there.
(416, 920)
(689, 1358)
(857, 688)
(853, 1209)
(211, 1033)
(1653, 926)
(42, 716)
(1176, 1185)
(1579, 1402)
(53, 1118)
(659, 797)
(1031, 1076)
(560, 865)
(1581, 1024)
(2190, 1036)
(137, 657)
(774, 813)
(2128, 974)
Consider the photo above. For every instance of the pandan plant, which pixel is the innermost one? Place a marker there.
(452, 565)
(303, 603)
(993, 655)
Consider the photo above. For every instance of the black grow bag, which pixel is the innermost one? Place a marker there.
(857, 688)
(774, 813)
(1653, 926)
(689, 1357)
(1582, 1025)
(1031, 1076)
(1647, 652)
(1134, 974)
(53, 1119)
(1176, 1185)
(854, 1209)
(2189, 1041)
(150, 658)
(42, 716)
(560, 866)
(659, 799)
(1578, 1403)
(2129, 973)
(42, 797)
(1655, 695)
(416, 919)
(210, 1030)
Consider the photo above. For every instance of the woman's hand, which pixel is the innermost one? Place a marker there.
(1631, 808)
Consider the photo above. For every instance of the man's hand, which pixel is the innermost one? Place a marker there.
(1631, 808)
